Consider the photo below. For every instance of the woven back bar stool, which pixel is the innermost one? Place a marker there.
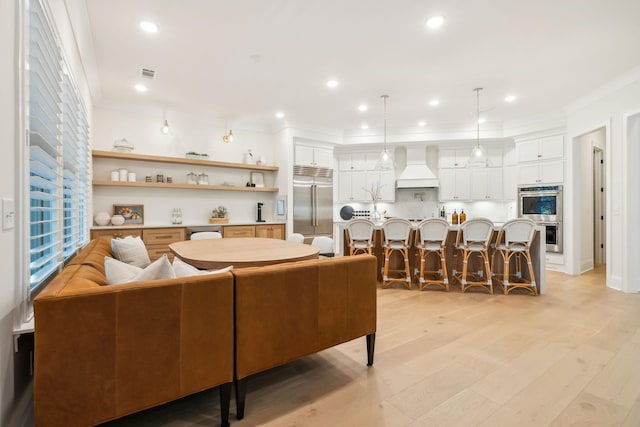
(431, 240)
(360, 236)
(514, 242)
(396, 239)
(473, 240)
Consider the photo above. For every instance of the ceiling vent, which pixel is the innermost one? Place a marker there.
(148, 74)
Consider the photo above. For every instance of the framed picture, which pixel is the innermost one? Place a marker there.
(257, 179)
(133, 214)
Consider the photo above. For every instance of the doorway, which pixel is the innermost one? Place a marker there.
(599, 207)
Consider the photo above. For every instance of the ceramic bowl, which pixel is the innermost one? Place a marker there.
(117, 220)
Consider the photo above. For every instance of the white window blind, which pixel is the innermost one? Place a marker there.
(58, 154)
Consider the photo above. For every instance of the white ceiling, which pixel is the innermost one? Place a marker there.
(247, 59)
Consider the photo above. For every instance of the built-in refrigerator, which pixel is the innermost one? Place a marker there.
(313, 201)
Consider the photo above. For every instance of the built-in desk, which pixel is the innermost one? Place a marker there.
(538, 252)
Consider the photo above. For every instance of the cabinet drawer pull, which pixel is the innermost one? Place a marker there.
(161, 236)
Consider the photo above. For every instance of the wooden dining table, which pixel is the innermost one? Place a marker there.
(242, 252)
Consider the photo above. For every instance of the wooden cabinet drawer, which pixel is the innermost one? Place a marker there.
(115, 233)
(275, 231)
(162, 236)
(156, 252)
(239, 231)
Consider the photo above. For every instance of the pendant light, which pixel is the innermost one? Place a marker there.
(386, 161)
(228, 137)
(165, 127)
(478, 156)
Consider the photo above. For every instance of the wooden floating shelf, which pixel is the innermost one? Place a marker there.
(107, 183)
(177, 160)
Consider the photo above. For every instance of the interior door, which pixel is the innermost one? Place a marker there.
(303, 205)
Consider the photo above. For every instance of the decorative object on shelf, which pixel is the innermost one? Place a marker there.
(196, 156)
(169, 180)
(148, 178)
(102, 218)
(123, 174)
(131, 177)
(203, 179)
(132, 214)
(262, 161)
(165, 127)
(115, 176)
(122, 146)
(117, 220)
(160, 177)
(478, 156)
(248, 158)
(192, 178)
(385, 162)
(257, 179)
(219, 215)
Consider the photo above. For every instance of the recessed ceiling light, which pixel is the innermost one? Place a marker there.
(435, 22)
(363, 107)
(434, 102)
(149, 27)
(364, 126)
(482, 120)
(510, 98)
(140, 88)
(279, 115)
(332, 84)
(422, 123)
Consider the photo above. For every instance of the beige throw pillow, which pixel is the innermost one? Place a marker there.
(131, 250)
(182, 269)
(118, 272)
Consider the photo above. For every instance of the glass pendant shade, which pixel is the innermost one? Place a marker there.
(165, 127)
(478, 156)
(385, 162)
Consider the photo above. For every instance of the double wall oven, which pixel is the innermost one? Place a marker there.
(543, 204)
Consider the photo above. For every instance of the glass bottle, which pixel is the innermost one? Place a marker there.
(454, 218)
(463, 216)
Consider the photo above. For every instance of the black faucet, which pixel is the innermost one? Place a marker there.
(260, 212)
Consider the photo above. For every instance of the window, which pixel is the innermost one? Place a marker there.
(58, 153)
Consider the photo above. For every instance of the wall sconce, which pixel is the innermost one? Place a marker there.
(165, 127)
(228, 137)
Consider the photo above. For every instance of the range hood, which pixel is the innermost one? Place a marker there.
(417, 174)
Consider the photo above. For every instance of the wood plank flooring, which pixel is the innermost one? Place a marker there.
(567, 358)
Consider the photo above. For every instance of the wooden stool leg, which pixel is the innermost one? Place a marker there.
(465, 263)
(407, 269)
(385, 272)
(534, 287)
(423, 261)
(443, 264)
(487, 270)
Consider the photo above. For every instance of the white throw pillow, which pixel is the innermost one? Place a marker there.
(131, 250)
(182, 269)
(118, 272)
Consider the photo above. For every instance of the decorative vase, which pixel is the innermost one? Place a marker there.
(102, 218)
(117, 220)
(375, 215)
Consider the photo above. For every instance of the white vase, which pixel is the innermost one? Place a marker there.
(117, 220)
(375, 215)
(102, 218)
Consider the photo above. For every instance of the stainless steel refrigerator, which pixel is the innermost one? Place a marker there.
(313, 201)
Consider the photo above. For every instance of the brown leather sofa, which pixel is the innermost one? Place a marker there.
(287, 311)
(102, 352)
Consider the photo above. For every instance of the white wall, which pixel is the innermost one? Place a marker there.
(8, 260)
(187, 133)
(608, 109)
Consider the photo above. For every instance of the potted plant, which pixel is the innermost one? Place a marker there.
(219, 215)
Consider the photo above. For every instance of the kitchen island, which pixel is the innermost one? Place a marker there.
(538, 253)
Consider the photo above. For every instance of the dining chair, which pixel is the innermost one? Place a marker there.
(295, 237)
(360, 233)
(514, 243)
(473, 241)
(431, 239)
(202, 235)
(325, 245)
(396, 240)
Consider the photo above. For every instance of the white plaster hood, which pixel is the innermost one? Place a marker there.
(417, 174)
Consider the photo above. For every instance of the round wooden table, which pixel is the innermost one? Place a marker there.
(241, 252)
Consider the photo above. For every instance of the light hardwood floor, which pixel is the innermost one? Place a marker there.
(569, 357)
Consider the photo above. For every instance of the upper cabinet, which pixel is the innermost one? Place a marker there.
(551, 147)
(306, 155)
(453, 158)
(540, 161)
(357, 176)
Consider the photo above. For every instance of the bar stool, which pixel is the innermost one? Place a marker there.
(396, 239)
(360, 232)
(514, 241)
(474, 238)
(431, 240)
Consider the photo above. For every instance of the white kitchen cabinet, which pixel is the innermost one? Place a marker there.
(551, 147)
(510, 187)
(549, 172)
(352, 161)
(453, 157)
(454, 184)
(386, 182)
(306, 155)
(486, 184)
(351, 186)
